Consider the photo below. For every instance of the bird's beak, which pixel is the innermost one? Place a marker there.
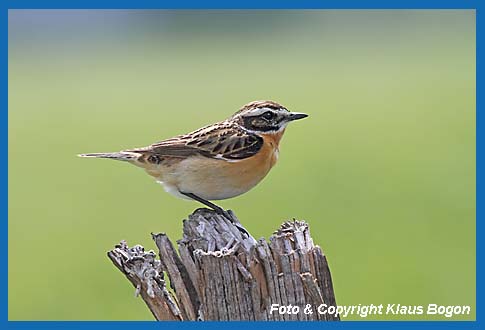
(296, 115)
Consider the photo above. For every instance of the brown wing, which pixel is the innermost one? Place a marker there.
(220, 141)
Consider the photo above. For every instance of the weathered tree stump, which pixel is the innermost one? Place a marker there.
(221, 274)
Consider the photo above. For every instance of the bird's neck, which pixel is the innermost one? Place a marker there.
(273, 138)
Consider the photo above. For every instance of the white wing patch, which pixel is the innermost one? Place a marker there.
(220, 156)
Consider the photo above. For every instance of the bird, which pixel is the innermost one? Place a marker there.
(218, 161)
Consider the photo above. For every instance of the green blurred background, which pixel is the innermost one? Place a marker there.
(383, 169)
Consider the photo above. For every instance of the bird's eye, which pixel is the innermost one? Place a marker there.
(268, 115)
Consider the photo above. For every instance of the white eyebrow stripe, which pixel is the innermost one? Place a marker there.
(259, 111)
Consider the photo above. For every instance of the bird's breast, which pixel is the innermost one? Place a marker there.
(215, 179)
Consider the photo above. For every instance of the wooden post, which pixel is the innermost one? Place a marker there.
(221, 274)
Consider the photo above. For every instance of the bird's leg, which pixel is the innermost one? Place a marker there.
(213, 206)
(216, 208)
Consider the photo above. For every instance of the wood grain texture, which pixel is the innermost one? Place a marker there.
(220, 274)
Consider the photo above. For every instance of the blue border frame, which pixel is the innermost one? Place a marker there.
(249, 4)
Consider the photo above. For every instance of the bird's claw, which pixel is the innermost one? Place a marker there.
(226, 214)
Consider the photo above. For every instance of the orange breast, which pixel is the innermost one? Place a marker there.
(250, 171)
(215, 179)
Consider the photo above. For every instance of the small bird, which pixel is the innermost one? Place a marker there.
(219, 161)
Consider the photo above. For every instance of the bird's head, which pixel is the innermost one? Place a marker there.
(265, 117)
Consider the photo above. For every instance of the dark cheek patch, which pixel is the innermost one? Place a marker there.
(257, 124)
(248, 123)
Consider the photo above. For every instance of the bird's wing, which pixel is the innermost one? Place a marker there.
(221, 141)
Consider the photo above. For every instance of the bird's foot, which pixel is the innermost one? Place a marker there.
(226, 214)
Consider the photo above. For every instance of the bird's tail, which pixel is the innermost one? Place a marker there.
(122, 155)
